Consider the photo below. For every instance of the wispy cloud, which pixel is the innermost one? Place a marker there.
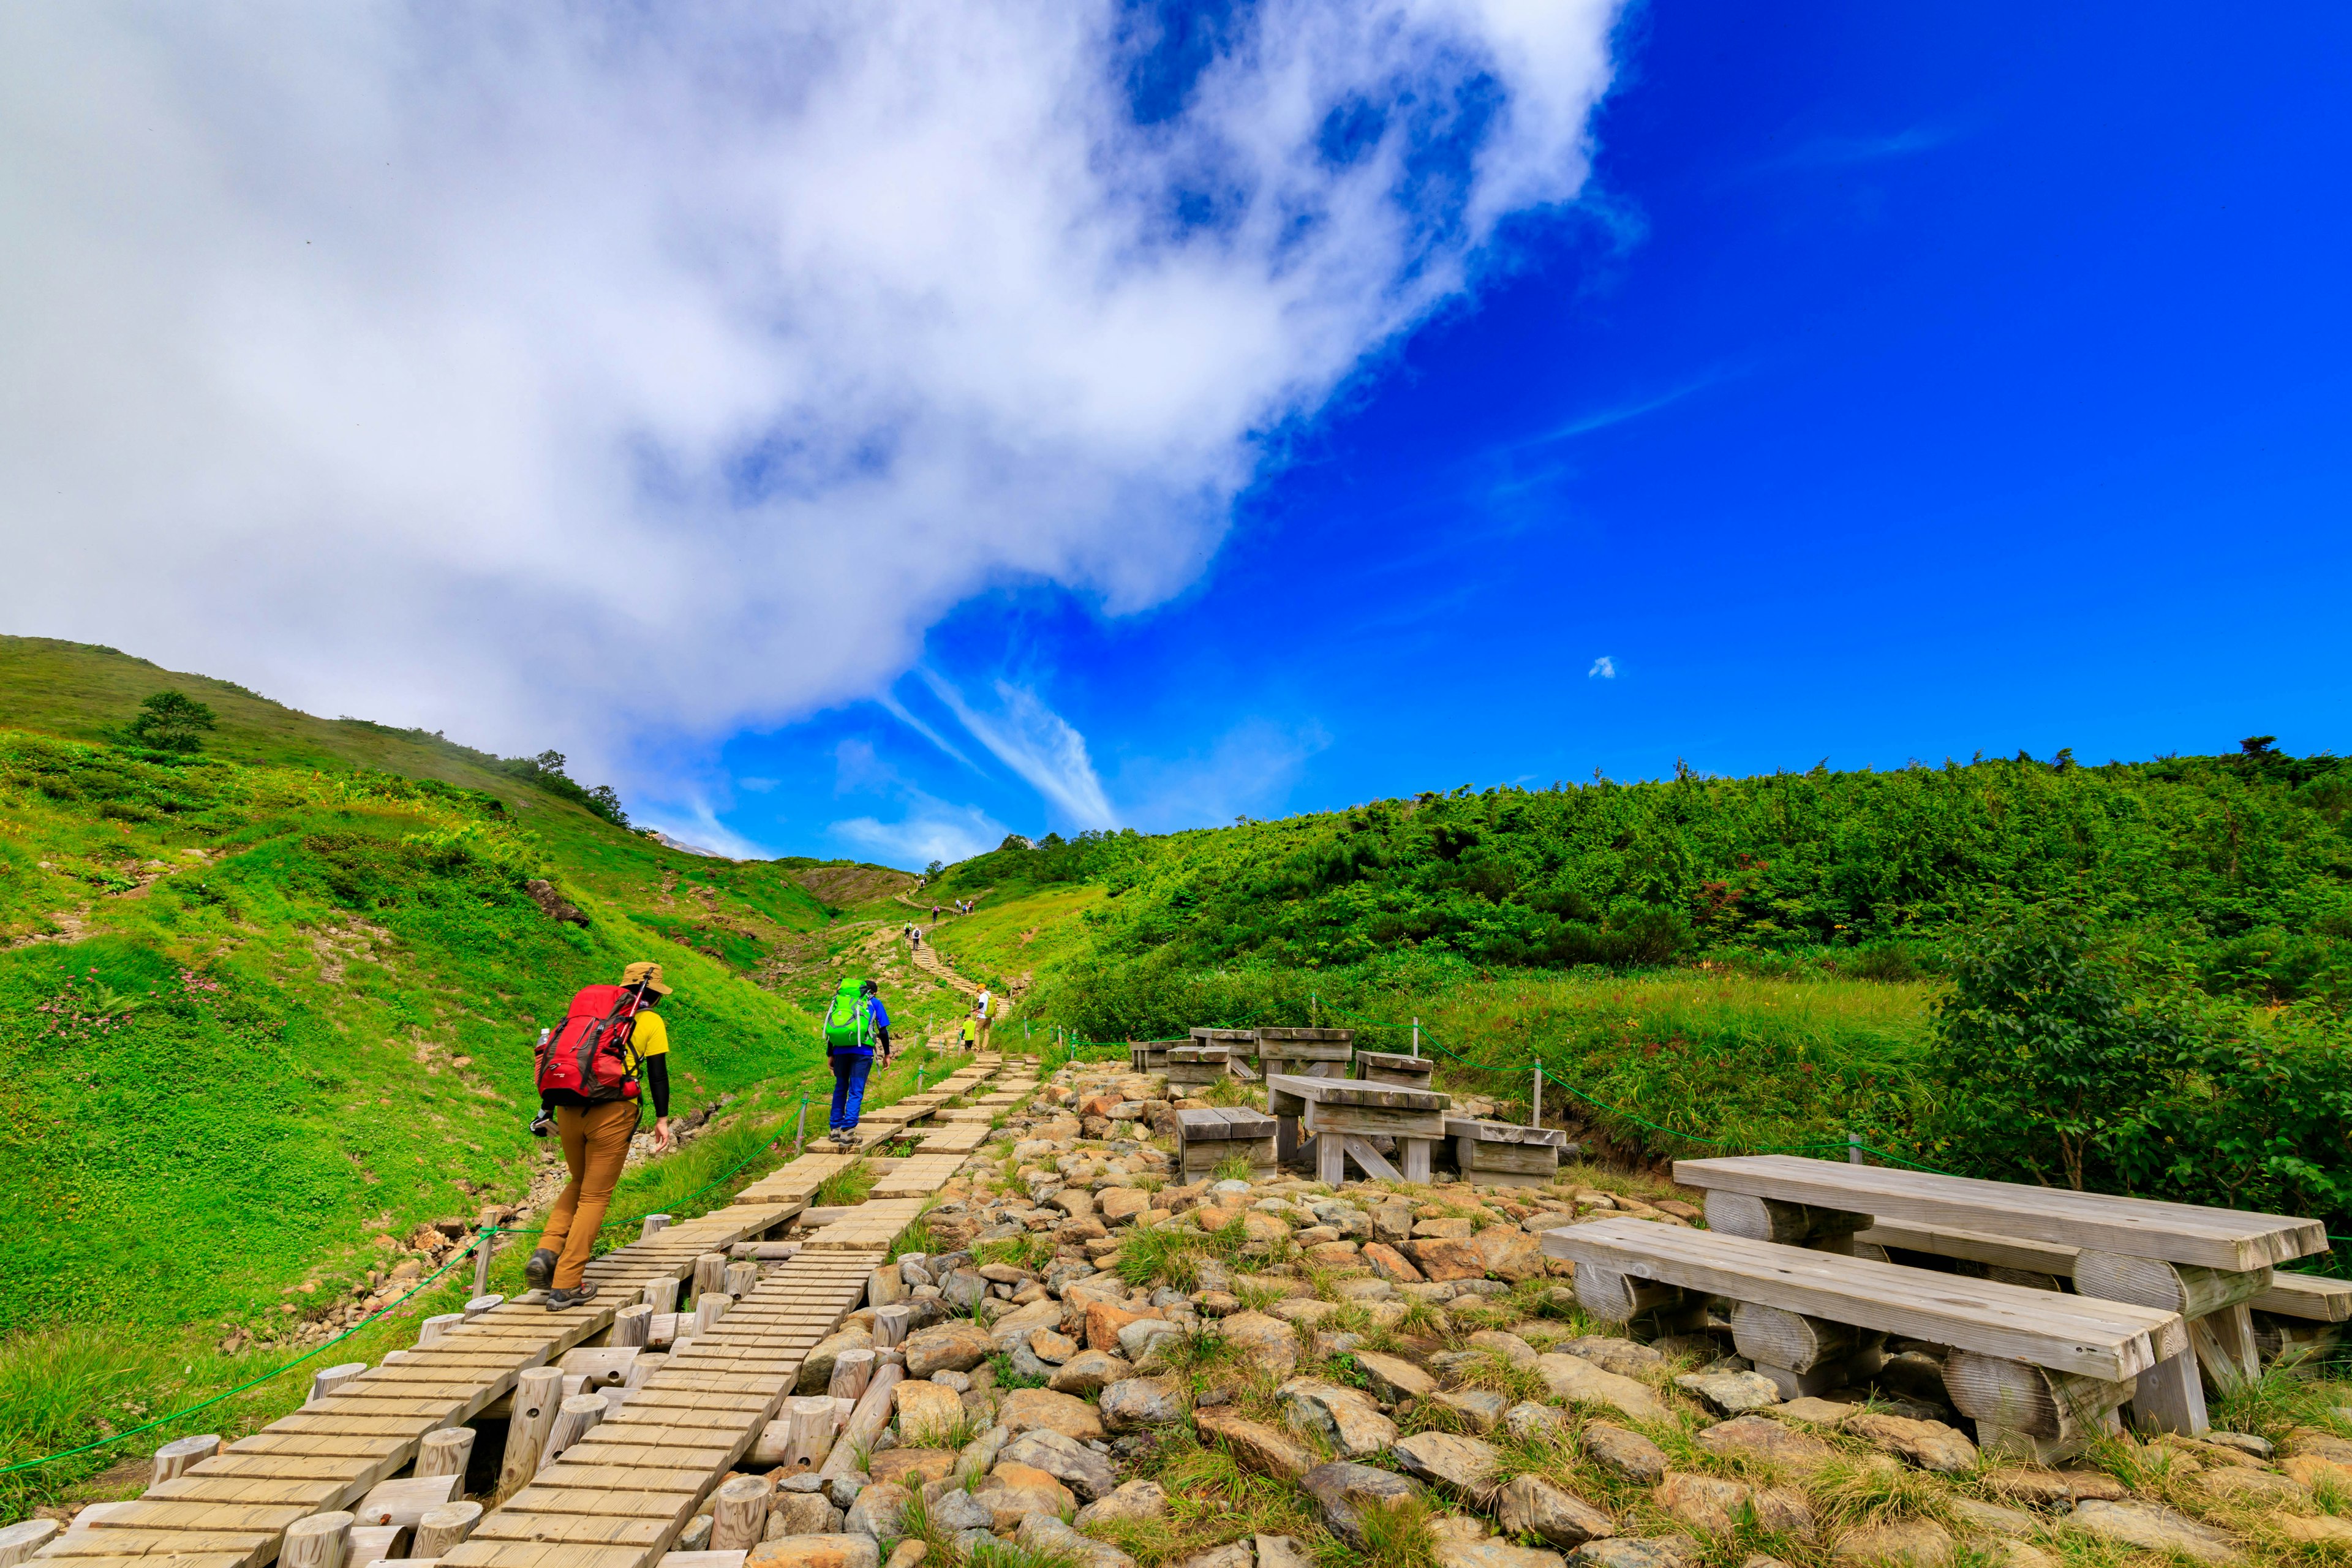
(1621, 413)
(1250, 769)
(1604, 668)
(931, 830)
(1036, 744)
(701, 825)
(888, 702)
(1846, 151)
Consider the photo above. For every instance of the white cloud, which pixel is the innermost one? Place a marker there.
(931, 830)
(697, 823)
(1250, 769)
(1604, 666)
(609, 378)
(1037, 743)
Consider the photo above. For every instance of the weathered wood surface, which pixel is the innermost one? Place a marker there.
(1223, 1122)
(1505, 1132)
(2140, 1227)
(1372, 1120)
(2109, 1340)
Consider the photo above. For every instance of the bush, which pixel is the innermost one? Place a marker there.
(172, 721)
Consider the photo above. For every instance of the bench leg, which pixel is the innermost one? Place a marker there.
(2171, 1398)
(2224, 1343)
(1416, 1160)
(1287, 1149)
(1331, 1158)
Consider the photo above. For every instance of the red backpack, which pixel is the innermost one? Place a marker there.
(589, 1054)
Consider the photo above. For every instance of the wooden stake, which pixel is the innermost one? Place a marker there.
(430, 1331)
(632, 1326)
(709, 1309)
(321, 1540)
(661, 1293)
(738, 1517)
(852, 1371)
(574, 1419)
(480, 1304)
(536, 1391)
(175, 1456)
(654, 1224)
(444, 1528)
(481, 1264)
(809, 1432)
(890, 1324)
(445, 1452)
(709, 1272)
(741, 1280)
(19, 1542)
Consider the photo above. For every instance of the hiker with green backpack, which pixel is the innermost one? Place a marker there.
(853, 1024)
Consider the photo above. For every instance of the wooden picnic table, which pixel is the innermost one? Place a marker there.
(1343, 1114)
(2207, 1264)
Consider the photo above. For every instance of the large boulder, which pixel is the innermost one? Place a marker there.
(1394, 1379)
(957, 1345)
(1758, 1437)
(1254, 1445)
(1438, 1258)
(1028, 1409)
(1509, 1253)
(1346, 1419)
(1574, 1378)
(1343, 1491)
(926, 1411)
(1073, 1464)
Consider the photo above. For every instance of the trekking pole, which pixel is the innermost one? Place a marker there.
(800, 1130)
(482, 1260)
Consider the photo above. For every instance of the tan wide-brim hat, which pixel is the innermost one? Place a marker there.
(648, 972)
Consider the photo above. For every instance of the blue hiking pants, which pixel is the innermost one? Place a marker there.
(849, 1070)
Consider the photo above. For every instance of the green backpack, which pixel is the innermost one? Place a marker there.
(848, 1026)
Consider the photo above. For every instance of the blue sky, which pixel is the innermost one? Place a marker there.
(1909, 381)
(855, 431)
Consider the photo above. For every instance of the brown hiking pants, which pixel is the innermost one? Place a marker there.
(596, 1141)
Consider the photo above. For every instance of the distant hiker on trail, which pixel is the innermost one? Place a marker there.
(589, 1068)
(983, 1010)
(915, 935)
(853, 1024)
(971, 1032)
(935, 912)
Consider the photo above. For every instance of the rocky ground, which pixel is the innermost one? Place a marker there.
(1114, 1370)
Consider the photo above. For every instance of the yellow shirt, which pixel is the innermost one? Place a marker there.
(649, 1036)
(971, 1028)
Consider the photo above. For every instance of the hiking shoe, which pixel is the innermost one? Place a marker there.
(539, 1272)
(556, 1300)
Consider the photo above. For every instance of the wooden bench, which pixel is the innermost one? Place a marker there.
(1192, 1066)
(2206, 1264)
(1343, 1114)
(1301, 1053)
(1384, 1067)
(1502, 1154)
(1207, 1139)
(1148, 1056)
(2040, 1372)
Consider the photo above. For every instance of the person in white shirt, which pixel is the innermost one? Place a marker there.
(986, 1011)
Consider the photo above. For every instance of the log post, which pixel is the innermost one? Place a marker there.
(632, 1326)
(890, 1324)
(708, 1308)
(864, 1423)
(709, 1272)
(852, 1371)
(445, 1452)
(19, 1542)
(480, 1304)
(442, 1528)
(1617, 1298)
(329, 1379)
(537, 1390)
(432, 1330)
(739, 1516)
(1793, 1225)
(808, 1434)
(654, 1224)
(175, 1456)
(741, 1280)
(574, 1419)
(661, 1293)
(321, 1540)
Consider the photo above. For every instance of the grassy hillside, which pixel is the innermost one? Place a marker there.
(271, 1007)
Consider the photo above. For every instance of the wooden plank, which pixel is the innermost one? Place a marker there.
(2311, 1296)
(2140, 1227)
(1369, 1160)
(2109, 1340)
(1357, 1092)
(1504, 1132)
(1371, 1120)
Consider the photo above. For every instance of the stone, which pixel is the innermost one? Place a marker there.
(2154, 1528)
(1052, 1345)
(2326, 1529)
(1132, 1502)
(1345, 1419)
(1715, 1506)
(1627, 1552)
(2310, 1470)
(1134, 1403)
(1255, 1446)
(1622, 1356)
(1509, 1253)
(1919, 1542)
(844, 1550)
(1267, 1343)
(1573, 1378)
(911, 1468)
(1136, 1340)
(1283, 1552)
(799, 1513)
(1087, 1373)
(1510, 1347)
(2321, 1444)
(1016, 1327)
(1731, 1392)
(1493, 1555)
(1233, 1554)
(958, 1345)
(1931, 1444)
(1010, 1492)
(1447, 1259)
(1390, 1264)
(1217, 1304)
(1392, 1378)
(1120, 1204)
(842, 1489)
(878, 1510)
(1756, 1437)
(816, 1371)
(2055, 1489)
(1442, 1229)
(963, 1289)
(1342, 1490)
(1103, 1321)
(1079, 1468)
(1028, 1409)
(1527, 1420)
(925, 1410)
(1480, 1408)
(1048, 1536)
(1464, 1466)
(1530, 1505)
(954, 1511)
(2235, 1485)
(1975, 1513)
(1820, 1412)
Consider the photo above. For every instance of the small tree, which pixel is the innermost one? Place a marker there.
(2050, 1051)
(172, 721)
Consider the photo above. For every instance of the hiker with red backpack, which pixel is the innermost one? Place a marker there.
(593, 1072)
(853, 1024)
